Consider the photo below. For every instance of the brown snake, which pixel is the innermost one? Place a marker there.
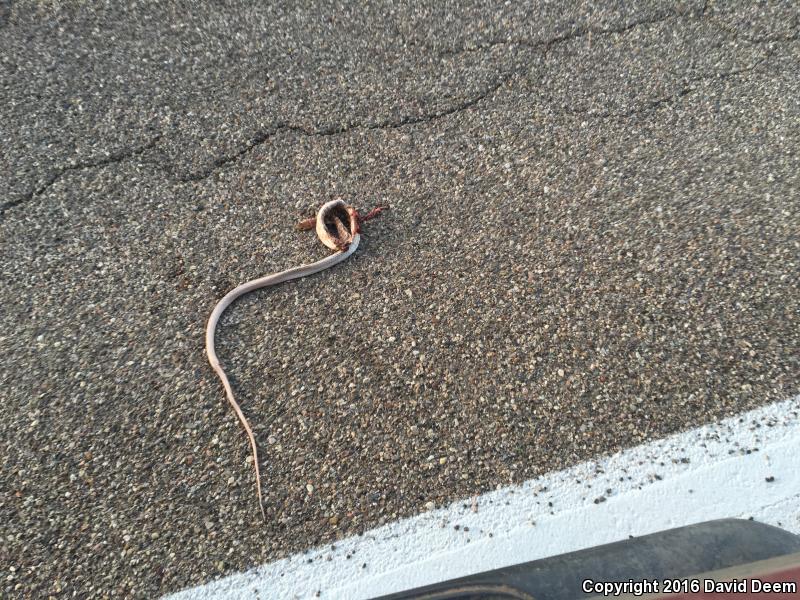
(337, 226)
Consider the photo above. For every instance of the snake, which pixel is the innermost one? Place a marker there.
(338, 227)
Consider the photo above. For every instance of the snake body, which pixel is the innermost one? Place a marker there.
(346, 241)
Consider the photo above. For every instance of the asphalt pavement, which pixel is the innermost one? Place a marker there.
(593, 242)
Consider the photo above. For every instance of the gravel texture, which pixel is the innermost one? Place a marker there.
(593, 242)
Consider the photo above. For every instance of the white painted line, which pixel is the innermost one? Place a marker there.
(711, 472)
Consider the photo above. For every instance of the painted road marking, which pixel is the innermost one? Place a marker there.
(744, 466)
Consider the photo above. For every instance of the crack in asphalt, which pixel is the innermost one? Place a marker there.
(766, 39)
(672, 98)
(54, 176)
(755, 40)
(544, 45)
(331, 130)
(575, 33)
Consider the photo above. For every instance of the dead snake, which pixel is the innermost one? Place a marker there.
(337, 226)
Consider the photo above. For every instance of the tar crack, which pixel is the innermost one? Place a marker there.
(53, 177)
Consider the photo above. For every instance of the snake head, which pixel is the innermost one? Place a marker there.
(337, 225)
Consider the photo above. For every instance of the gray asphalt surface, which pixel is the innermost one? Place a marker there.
(593, 242)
